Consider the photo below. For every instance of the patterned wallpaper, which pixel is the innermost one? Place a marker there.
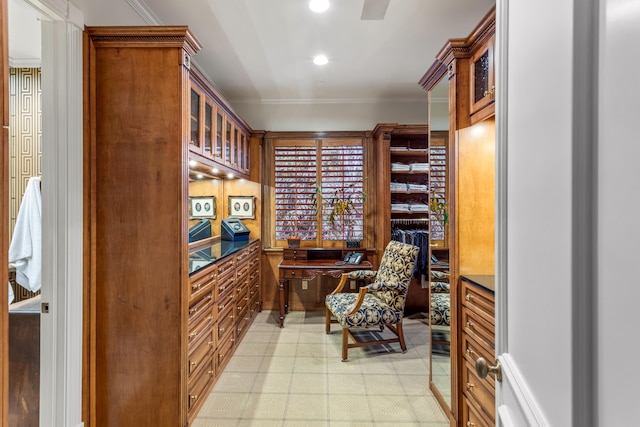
(25, 134)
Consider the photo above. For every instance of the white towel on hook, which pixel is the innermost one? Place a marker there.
(25, 251)
(11, 295)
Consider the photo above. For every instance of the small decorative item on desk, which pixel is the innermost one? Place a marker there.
(353, 243)
(293, 241)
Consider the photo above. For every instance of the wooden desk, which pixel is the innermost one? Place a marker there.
(309, 263)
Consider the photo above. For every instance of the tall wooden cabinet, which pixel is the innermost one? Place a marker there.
(155, 335)
(402, 162)
(465, 67)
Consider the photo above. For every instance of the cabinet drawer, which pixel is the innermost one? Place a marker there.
(254, 275)
(200, 350)
(201, 325)
(226, 285)
(472, 418)
(202, 305)
(478, 301)
(477, 393)
(242, 256)
(202, 380)
(242, 270)
(294, 254)
(225, 266)
(226, 302)
(472, 351)
(225, 349)
(243, 322)
(225, 323)
(292, 273)
(202, 281)
(242, 300)
(479, 329)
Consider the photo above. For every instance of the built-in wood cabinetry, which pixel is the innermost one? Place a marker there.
(402, 162)
(224, 300)
(467, 67)
(217, 136)
(477, 317)
(157, 331)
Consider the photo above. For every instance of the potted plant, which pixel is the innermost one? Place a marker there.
(344, 206)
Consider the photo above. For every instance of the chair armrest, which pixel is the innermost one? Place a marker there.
(353, 275)
(361, 293)
(341, 283)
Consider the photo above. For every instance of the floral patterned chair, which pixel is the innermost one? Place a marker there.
(381, 303)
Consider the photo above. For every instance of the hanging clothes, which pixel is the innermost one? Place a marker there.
(416, 237)
(25, 250)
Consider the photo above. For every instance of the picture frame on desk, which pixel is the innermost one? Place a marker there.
(202, 207)
(242, 207)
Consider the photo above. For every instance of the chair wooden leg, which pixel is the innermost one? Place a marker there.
(327, 326)
(403, 346)
(345, 343)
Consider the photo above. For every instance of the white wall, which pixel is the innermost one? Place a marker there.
(330, 117)
(619, 213)
(539, 201)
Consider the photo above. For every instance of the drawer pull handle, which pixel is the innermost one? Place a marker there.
(469, 325)
(470, 386)
(467, 297)
(210, 372)
(193, 310)
(210, 343)
(293, 273)
(194, 364)
(194, 397)
(470, 352)
(210, 317)
(220, 357)
(470, 424)
(221, 330)
(193, 335)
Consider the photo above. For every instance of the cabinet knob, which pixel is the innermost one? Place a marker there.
(470, 386)
(470, 424)
(467, 297)
(293, 273)
(194, 397)
(483, 368)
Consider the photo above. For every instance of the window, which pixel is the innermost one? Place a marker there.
(301, 168)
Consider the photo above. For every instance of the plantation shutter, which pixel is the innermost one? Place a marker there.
(342, 176)
(295, 178)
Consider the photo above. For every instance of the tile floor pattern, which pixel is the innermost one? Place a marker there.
(294, 376)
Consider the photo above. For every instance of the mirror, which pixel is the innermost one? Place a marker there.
(440, 289)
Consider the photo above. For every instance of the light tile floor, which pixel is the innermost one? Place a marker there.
(294, 376)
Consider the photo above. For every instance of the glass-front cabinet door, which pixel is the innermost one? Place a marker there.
(194, 133)
(208, 128)
(482, 78)
(219, 137)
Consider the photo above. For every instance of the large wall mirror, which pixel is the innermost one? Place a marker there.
(439, 285)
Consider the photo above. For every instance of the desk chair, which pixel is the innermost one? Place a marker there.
(381, 303)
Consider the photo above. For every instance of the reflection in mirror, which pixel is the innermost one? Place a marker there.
(439, 286)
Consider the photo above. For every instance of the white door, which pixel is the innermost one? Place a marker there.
(567, 212)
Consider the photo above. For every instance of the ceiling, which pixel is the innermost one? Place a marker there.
(259, 52)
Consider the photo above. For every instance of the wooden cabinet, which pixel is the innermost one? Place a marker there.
(477, 332)
(156, 336)
(482, 81)
(218, 137)
(402, 166)
(227, 301)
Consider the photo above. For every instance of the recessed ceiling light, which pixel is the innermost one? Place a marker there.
(319, 5)
(230, 175)
(215, 170)
(192, 163)
(320, 60)
(199, 176)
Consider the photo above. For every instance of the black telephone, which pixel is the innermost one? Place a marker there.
(353, 258)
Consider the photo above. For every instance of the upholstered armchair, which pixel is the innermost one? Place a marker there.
(380, 303)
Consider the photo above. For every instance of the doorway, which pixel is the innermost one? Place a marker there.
(61, 170)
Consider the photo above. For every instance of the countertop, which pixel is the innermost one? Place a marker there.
(204, 256)
(483, 280)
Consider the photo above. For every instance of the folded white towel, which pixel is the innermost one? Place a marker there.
(25, 251)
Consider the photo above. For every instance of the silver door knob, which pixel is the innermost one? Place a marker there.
(483, 368)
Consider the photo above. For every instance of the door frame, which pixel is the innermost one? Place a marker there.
(62, 164)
